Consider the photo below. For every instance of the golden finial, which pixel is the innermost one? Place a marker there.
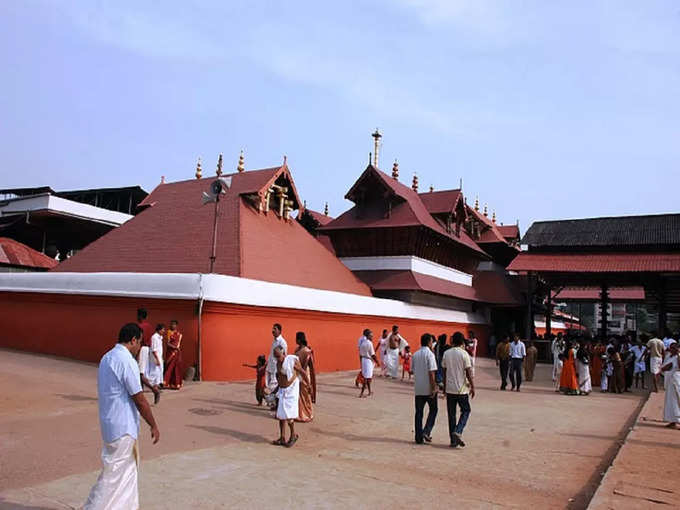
(376, 146)
(431, 188)
(395, 170)
(162, 179)
(325, 209)
(285, 160)
(486, 210)
(477, 203)
(219, 166)
(493, 217)
(414, 184)
(198, 169)
(240, 166)
(304, 204)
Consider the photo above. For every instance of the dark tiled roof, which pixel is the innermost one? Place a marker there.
(623, 231)
(440, 202)
(14, 253)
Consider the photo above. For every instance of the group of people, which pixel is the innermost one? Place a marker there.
(157, 372)
(512, 357)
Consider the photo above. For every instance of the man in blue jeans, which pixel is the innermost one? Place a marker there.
(424, 367)
(459, 387)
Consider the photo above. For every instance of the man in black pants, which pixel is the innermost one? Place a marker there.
(518, 352)
(503, 360)
(424, 366)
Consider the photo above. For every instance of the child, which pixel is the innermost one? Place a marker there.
(406, 365)
(260, 382)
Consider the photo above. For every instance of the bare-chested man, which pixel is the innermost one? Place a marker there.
(392, 354)
(368, 360)
(288, 369)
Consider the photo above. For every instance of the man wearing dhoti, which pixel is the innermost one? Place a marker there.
(392, 355)
(271, 380)
(655, 352)
(382, 349)
(556, 348)
(121, 401)
(288, 371)
(368, 359)
(671, 369)
(155, 370)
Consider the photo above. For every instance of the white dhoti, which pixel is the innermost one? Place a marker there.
(367, 368)
(557, 372)
(116, 486)
(584, 382)
(392, 362)
(143, 361)
(154, 372)
(289, 401)
(655, 365)
(671, 406)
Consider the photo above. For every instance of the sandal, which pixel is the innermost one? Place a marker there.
(279, 442)
(292, 441)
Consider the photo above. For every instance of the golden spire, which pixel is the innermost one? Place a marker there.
(198, 169)
(395, 170)
(219, 166)
(376, 146)
(477, 203)
(162, 179)
(240, 166)
(486, 210)
(414, 184)
(493, 216)
(431, 188)
(325, 209)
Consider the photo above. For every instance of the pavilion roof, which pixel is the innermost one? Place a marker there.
(622, 231)
(509, 231)
(410, 211)
(440, 202)
(173, 234)
(620, 294)
(614, 262)
(14, 253)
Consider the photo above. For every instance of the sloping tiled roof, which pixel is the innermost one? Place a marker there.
(621, 294)
(410, 212)
(14, 253)
(320, 217)
(596, 262)
(490, 234)
(651, 230)
(440, 202)
(497, 288)
(409, 280)
(509, 231)
(174, 234)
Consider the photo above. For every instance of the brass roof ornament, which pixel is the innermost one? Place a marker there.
(376, 146)
(218, 172)
(241, 167)
(414, 184)
(199, 171)
(395, 171)
(325, 209)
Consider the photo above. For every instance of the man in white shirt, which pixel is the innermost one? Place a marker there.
(155, 371)
(668, 339)
(424, 367)
(121, 401)
(518, 352)
(382, 349)
(368, 360)
(278, 341)
(471, 348)
(459, 387)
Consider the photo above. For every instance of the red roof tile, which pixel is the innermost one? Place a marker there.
(410, 212)
(320, 217)
(15, 253)
(509, 231)
(174, 235)
(596, 262)
(440, 202)
(497, 288)
(490, 233)
(621, 294)
(408, 280)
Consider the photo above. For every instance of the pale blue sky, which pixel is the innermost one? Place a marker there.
(546, 109)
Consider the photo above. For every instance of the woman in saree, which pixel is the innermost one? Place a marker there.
(568, 379)
(583, 365)
(173, 361)
(599, 350)
(307, 389)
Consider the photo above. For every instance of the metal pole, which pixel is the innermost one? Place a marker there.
(214, 240)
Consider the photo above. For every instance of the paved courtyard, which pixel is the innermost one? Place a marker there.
(534, 449)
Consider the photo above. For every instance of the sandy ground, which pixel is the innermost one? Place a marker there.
(534, 449)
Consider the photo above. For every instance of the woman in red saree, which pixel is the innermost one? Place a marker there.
(568, 379)
(307, 390)
(173, 359)
(599, 350)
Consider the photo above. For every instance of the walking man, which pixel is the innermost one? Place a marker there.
(503, 360)
(459, 387)
(655, 352)
(368, 360)
(424, 366)
(121, 401)
(278, 341)
(530, 361)
(518, 352)
(288, 373)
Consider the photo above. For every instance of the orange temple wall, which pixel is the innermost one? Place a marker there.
(85, 327)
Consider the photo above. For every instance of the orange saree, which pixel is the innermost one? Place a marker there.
(568, 380)
(307, 391)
